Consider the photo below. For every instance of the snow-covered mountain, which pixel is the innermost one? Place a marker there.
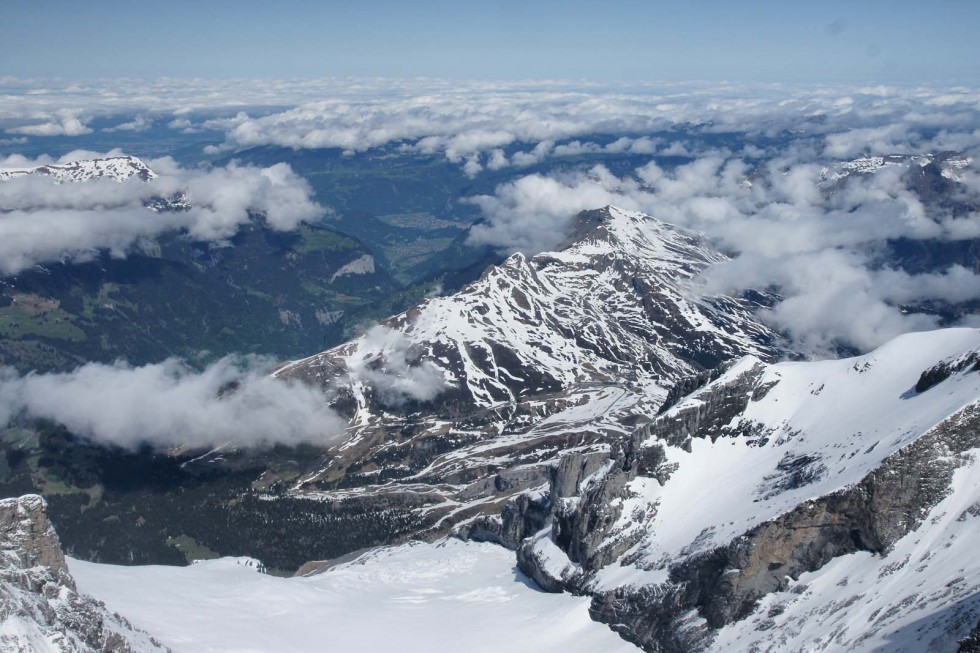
(635, 443)
(766, 508)
(116, 168)
(948, 164)
(467, 399)
(40, 606)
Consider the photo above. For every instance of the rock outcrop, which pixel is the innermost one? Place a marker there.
(40, 607)
(686, 540)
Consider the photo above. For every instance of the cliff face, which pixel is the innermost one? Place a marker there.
(40, 607)
(797, 506)
(726, 585)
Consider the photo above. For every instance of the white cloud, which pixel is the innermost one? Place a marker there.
(383, 360)
(168, 404)
(138, 124)
(64, 124)
(41, 221)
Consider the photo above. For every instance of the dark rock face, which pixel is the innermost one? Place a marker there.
(725, 585)
(38, 596)
(521, 517)
(718, 407)
(690, 384)
(939, 373)
(581, 529)
(972, 643)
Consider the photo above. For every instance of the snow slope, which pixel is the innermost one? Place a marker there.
(923, 595)
(416, 597)
(839, 418)
(828, 505)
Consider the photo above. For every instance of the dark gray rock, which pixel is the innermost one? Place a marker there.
(707, 419)
(572, 469)
(521, 517)
(972, 643)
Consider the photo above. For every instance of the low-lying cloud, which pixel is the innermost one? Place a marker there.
(488, 126)
(383, 361)
(62, 123)
(232, 401)
(43, 221)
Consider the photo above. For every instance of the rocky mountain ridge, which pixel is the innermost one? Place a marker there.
(734, 518)
(468, 399)
(40, 607)
(116, 168)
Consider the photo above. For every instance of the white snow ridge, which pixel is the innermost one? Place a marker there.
(117, 168)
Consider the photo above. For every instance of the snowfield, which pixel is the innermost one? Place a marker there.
(452, 595)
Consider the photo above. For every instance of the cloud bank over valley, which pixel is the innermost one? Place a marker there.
(231, 402)
(42, 220)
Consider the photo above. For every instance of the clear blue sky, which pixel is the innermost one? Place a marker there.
(832, 41)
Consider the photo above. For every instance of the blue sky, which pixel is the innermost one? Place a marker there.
(828, 41)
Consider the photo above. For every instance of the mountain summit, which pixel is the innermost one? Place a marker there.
(466, 400)
(116, 168)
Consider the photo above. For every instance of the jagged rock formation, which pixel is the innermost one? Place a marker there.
(40, 607)
(737, 517)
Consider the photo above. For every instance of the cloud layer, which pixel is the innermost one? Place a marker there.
(755, 152)
(484, 125)
(42, 221)
(494, 126)
(167, 404)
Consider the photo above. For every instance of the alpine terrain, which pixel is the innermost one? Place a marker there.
(40, 606)
(633, 442)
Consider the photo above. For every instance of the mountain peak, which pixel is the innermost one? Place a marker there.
(117, 168)
(595, 332)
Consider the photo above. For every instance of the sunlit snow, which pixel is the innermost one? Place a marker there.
(417, 597)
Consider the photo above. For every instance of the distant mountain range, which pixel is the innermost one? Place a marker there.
(948, 165)
(116, 168)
